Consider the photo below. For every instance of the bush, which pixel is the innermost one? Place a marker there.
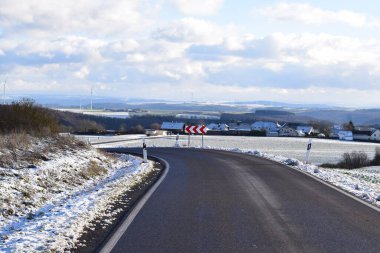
(354, 160)
(351, 161)
(376, 159)
(25, 116)
(16, 149)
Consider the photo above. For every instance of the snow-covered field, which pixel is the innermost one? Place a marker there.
(364, 183)
(45, 205)
(105, 138)
(323, 151)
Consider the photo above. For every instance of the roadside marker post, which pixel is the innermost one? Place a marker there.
(308, 149)
(177, 140)
(145, 152)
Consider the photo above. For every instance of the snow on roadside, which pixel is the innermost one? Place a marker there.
(363, 183)
(45, 207)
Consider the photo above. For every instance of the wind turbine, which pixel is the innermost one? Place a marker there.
(5, 82)
(91, 97)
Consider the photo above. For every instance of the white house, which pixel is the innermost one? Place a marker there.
(305, 129)
(241, 127)
(335, 130)
(288, 131)
(362, 135)
(265, 126)
(375, 135)
(172, 126)
(217, 127)
(300, 133)
(346, 135)
(272, 134)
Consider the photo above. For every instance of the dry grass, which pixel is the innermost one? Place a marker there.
(93, 170)
(16, 149)
(10, 144)
(110, 157)
(14, 141)
(69, 141)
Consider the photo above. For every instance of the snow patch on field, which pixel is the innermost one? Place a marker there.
(47, 206)
(363, 183)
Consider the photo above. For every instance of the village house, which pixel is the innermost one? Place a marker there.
(217, 127)
(345, 135)
(307, 130)
(362, 135)
(175, 127)
(271, 134)
(265, 126)
(335, 130)
(288, 131)
(240, 127)
(375, 135)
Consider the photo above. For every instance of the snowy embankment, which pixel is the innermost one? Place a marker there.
(363, 183)
(50, 190)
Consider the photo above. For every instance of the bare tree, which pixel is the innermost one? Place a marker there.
(155, 126)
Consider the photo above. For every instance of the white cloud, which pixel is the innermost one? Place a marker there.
(198, 7)
(193, 30)
(283, 61)
(308, 14)
(135, 58)
(89, 17)
(82, 73)
(48, 46)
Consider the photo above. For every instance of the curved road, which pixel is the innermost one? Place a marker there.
(215, 201)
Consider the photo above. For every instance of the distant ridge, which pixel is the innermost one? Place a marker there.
(270, 110)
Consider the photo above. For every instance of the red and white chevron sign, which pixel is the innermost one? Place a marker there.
(200, 129)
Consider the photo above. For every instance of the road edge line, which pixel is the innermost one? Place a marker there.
(108, 247)
(348, 194)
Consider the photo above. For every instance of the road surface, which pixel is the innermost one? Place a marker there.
(216, 201)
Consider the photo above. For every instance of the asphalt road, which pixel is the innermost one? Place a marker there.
(215, 201)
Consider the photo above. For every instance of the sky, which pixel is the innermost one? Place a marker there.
(325, 52)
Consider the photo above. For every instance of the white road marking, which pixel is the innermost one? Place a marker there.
(128, 221)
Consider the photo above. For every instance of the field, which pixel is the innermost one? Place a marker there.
(323, 151)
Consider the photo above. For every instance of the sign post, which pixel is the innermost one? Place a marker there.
(200, 129)
(188, 130)
(308, 149)
(145, 152)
